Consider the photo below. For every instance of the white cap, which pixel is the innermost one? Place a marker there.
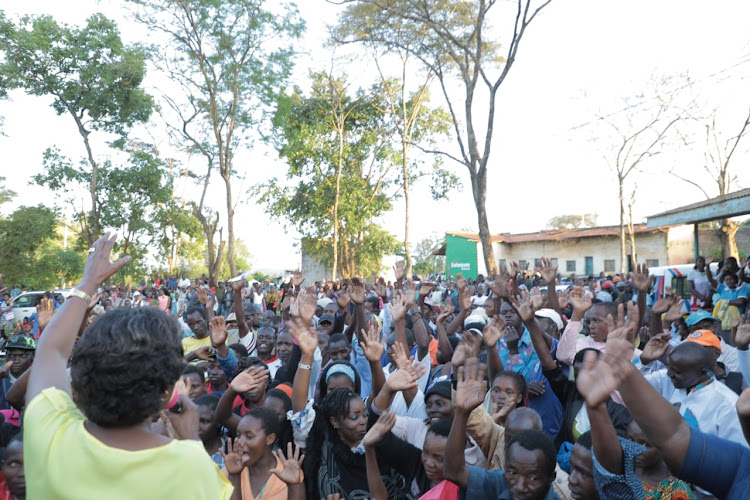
(324, 302)
(550, 314)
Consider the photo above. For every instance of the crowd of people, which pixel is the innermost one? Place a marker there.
(501, 387)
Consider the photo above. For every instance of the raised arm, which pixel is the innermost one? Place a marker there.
(444, 344)
(373, 347)
(523, 305)
(248, 380)
(55, 347)
(239, 311)
(642, 283)
(549, 274)
(662, 423)
(492, 334)
(470, 393)
(375, 435)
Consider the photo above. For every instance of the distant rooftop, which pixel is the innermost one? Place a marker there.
(556, 235)
(721, 207)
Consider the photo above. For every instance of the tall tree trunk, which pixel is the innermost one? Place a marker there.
(479, 191)
(92, 232)
(407, 250)
(728, 231)
(230, 220)
(339, 169)
(631, 231)
(622, 226)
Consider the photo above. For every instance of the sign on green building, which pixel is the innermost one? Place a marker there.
(460, 256)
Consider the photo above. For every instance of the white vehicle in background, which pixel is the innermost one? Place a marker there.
(676, 278)
(25, 304)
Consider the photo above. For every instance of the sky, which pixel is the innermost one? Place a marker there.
(578, 61)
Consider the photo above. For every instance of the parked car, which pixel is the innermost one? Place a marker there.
(25, 304)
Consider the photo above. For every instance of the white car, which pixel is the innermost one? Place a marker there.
(25, 304)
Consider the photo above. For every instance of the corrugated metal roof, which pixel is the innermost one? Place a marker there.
(725, 206)
(560, 235)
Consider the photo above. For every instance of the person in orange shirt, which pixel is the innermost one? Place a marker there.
(254, 469)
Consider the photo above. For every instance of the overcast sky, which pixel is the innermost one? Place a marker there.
(579, 59)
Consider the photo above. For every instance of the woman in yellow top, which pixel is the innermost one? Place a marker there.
(122, 373)
(254, 470)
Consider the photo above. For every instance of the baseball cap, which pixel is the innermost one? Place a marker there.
(698, 316)
(607, 284)
(617, 279)
(232, 317)
(706, 338)
(21, 342)
(326, 318)
(550, 314)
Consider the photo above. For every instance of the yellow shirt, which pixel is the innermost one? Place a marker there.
(64, 461)
(191, 343)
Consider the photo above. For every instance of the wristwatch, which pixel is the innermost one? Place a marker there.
(75, 292)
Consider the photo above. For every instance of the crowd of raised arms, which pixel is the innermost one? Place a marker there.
(517, 386)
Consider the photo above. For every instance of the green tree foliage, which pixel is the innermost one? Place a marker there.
(91, 76)
(340, 164)
(5, 194)
(565, 222)
(31, 250)
(130, 195)
(453, 39)
(424, 262)
(230, 59)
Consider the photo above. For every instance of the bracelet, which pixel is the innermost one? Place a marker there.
(302, 366)
(80, 294)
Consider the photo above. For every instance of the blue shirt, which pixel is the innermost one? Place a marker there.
(527, 363)
(717, 465)
(491, 484)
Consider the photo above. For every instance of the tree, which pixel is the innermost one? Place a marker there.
(418, 125)
(5, 194)
(718, 154)
(31, 251)
(425, 262)
(231, 60)
(338, 150)
(90, 75)
(639, 136)
(567, 222)
(129, 196)
(451, 38)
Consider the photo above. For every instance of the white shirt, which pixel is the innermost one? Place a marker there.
(711, 407)
(184, 282)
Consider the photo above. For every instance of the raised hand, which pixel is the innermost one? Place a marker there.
(597, 379)
(44, 315)
(624, 328)
(219, 332)
(675, 312)
(501, 413)
(445, 311)
(99, 268)
(400, 358)
(399, 306)
(499, 286)
(581, 302)
(297, 278)
(378, 431)
(381, 289)
(494, 331)
(472, 388)
(306, 304)
(371, 344)
(291, 465)
(656, 347)
(300, 330)
(562, 300)
(5, 369)
(398, 270)
(522, 304)
(202, 295)
(641, 279)
(465, 299)
(357, 292)
(460, 282)
(663, 304)
(250, 379)
(343, 300)
(233, 460)
(742, 334)
(548, 271)
(410, 293)
(405, 378)
(425, 289)
(238, 286)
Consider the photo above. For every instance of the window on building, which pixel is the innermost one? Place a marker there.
(609, 265)
(501, 265)
(652, 262)
(522, 265)
(553, 262)
(570, 266)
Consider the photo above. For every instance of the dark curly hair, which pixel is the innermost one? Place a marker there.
(535, 440)
(268, 419)
(125, 365)
(520, 382)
